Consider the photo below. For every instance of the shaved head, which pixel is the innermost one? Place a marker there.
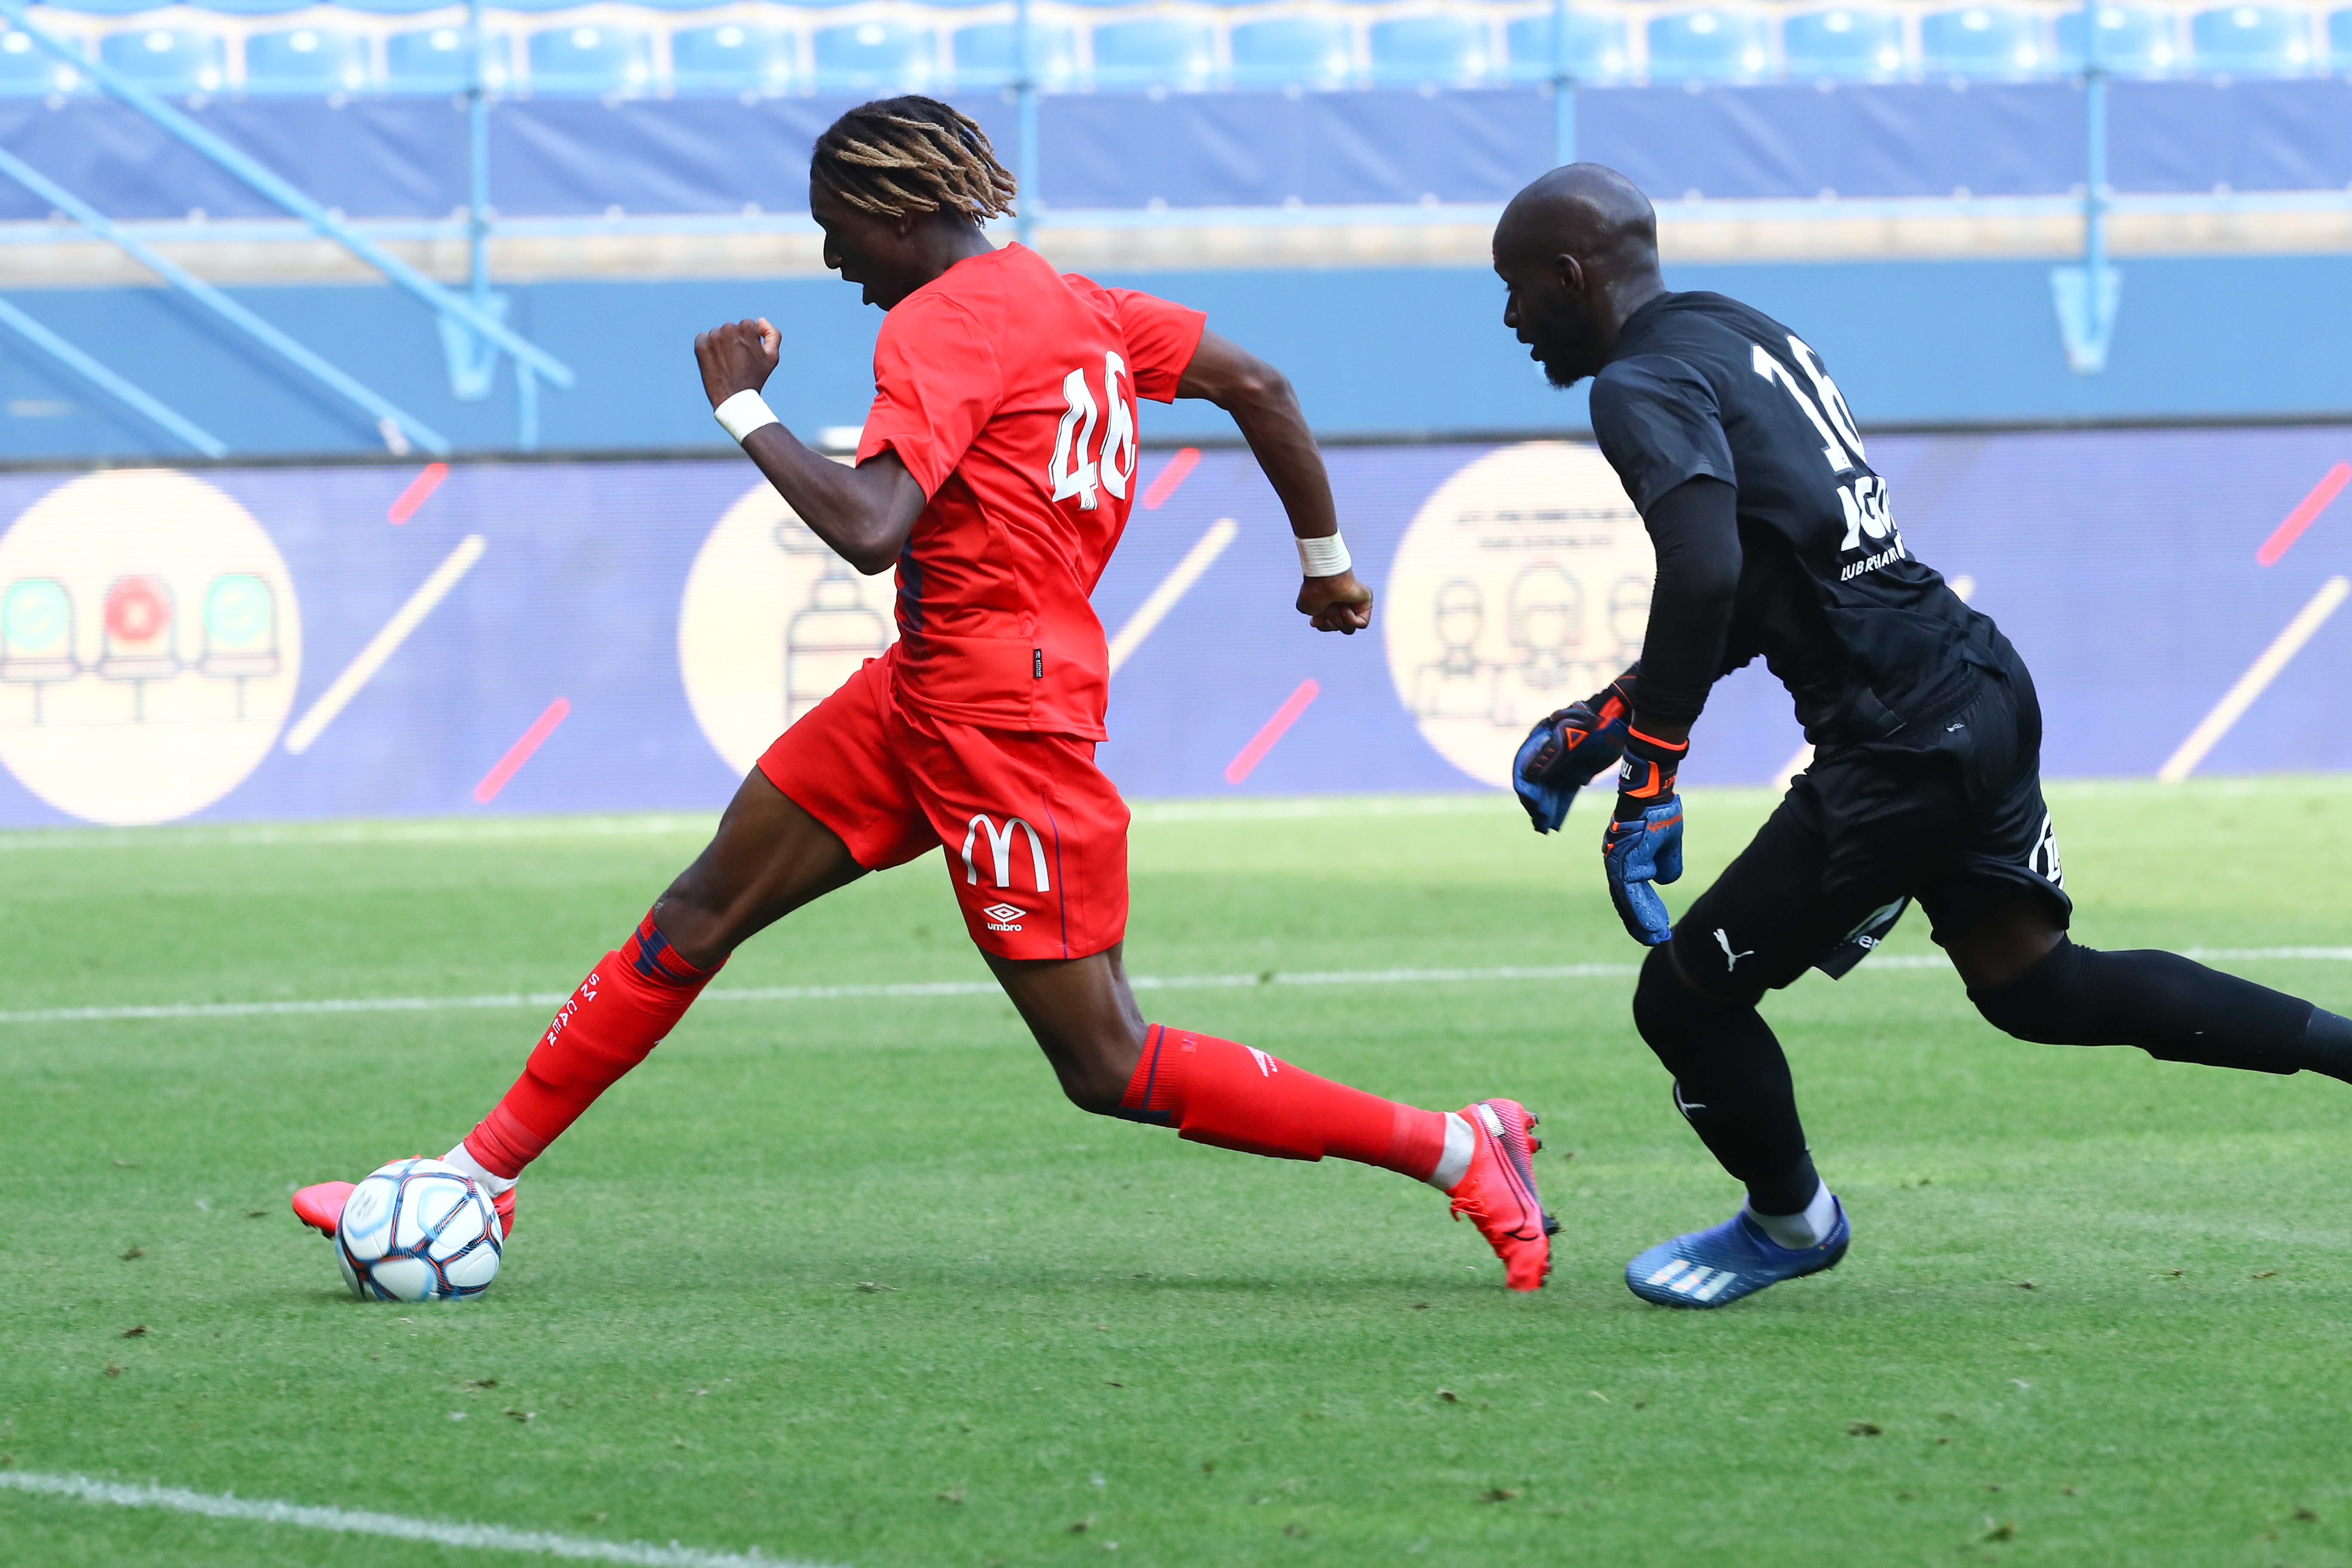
(1579, 251)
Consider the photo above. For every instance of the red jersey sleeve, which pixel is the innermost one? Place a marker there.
(935, 382)
(1161, 339)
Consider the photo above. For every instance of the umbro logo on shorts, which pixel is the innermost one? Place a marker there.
(1001, 917)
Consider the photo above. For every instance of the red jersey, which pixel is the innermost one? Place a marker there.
(1009, 391)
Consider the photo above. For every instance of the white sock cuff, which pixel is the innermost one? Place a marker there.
(463, 1158)
(1461, 1145)
(1809, 1228)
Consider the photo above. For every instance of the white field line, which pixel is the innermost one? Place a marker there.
(384, 644)
(2255, 681)
(1172, 587)
(932, 988)
(346, 1521)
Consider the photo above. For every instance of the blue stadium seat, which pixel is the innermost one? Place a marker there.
(875, 57)
(1596, 47)
(168, 59)
(1312, 50)
(733, 58)
(2133, 40)
(983, 54)
(592, 57)
(433, 59)
(28, 70)
(1711, 44)
(1982, 41)
(2250, 40)
(2339, 37)
(1442, 49)
(307, 60)
(1156, 51)
(1848, 44)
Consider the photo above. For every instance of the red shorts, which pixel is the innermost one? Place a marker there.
(1035, 835)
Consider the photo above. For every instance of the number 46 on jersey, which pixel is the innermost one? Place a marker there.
(1080, 468)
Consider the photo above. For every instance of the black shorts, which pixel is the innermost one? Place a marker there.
(1947, 811)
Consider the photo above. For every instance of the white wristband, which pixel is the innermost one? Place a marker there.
(744, 413)
(1326, 557)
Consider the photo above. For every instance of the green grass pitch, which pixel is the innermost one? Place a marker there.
(845, 1281)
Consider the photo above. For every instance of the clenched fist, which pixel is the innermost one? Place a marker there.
(1339, 604)
(737, 357)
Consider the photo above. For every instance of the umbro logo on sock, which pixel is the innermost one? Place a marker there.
(1002, 917)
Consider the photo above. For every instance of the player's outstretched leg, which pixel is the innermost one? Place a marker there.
(1732, 1085)
(1237, 1096)
(2031, 980)
(769, 857)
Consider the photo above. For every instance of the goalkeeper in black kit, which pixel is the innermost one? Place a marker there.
(1774, 540)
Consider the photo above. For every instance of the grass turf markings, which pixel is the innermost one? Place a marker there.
(1082, 1318)
(393, 1526)
(1883, 962)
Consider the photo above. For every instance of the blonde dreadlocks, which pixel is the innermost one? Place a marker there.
(899, 156)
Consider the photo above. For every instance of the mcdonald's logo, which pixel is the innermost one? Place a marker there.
(1000, 846)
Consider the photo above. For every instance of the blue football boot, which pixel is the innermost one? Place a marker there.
(1715, 1267)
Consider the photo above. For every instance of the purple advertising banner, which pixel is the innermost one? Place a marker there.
(266, 643)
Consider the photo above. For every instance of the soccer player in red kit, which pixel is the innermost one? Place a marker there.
(995, 474)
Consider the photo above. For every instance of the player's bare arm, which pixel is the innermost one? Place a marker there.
(1266, 410)
(866, 513)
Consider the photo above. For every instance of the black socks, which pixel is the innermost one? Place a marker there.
(1731, 1084)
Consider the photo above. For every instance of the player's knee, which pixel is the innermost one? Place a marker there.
(2049, 1004)
(1671, 1012)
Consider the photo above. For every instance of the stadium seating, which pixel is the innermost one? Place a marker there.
(733, 58)
(2133, 40)
(28, 70)
(1597, 51)
(983, 54)
(608, 47)
(875, 57)
(433, 59)
(316, 60)
(2252, 40)
(1303, 50)
(1169, 51)
(1982, 41)
(591, 59)
(1440, 48)
(1716, 44)
(169, 60)
(1846, 44)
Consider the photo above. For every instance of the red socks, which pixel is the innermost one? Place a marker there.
(1237, 1096)
(620, 1012)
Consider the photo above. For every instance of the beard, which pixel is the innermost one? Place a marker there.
(1566, 350)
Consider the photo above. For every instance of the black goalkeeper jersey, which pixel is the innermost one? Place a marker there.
(1866, 638)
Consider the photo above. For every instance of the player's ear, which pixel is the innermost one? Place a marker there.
(1572, 273)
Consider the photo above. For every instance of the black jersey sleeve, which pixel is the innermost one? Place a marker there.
(1696, 529)
(1658, 424)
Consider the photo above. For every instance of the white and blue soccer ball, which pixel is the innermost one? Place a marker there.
(418, 1230)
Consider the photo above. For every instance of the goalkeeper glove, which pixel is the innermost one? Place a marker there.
(1643, 844)
(1563, 752)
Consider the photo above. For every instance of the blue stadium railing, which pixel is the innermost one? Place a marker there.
(270, 47)
(146, 56)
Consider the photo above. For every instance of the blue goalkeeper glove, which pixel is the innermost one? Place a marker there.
(1563, 753)
(1643, 844)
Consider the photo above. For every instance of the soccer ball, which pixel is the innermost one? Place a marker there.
(418, 1230)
